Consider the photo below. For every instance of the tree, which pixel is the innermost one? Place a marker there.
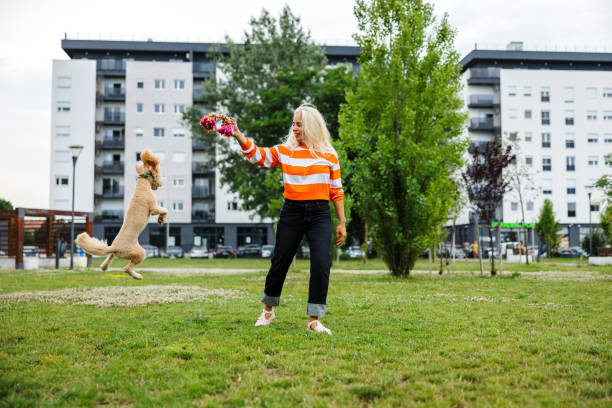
(5, 204)
(605, 182)
(605, 217)
(486, 185)
(598, 242)
(401, 127)
(276, 69)
(547, 227)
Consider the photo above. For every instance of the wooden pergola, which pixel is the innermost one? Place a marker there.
(13, 225)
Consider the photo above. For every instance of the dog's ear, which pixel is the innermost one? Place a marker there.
(140, 168)
(149, 159)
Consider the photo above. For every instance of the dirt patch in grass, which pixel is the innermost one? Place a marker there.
(122, 296)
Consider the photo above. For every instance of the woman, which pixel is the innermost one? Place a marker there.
(311, 176)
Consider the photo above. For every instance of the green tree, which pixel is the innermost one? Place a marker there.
(598, 241)
(605, 219)
(401, 127)
(5, 204)
(547, 228)
(604, 183)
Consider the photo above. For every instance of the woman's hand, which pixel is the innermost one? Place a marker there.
(340, 233)
(238, 134)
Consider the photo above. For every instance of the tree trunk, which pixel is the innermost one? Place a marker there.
(499, 246)
(492, 251)
(429, 258)
(365, 250)
(441, 246)
(453, 242)
(479, 249)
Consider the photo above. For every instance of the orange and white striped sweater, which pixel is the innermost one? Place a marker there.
(306, 176)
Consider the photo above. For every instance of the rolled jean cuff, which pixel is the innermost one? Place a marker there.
(270, 301)
(315, 309)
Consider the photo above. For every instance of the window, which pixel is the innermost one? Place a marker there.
(140, 84)
(179, 84)
(608, 138)
(591, 115)
(571, 209)
(592, 138)
(179, 107)
(545, 94)
(159, 108)
(160, 84)
(547, 186)
(570, 163)
(178, 181)
(63, 106)
(139, 107)
(591, 93)
(178, 157)
(512, 90)
(232, 205)
(61, 181)
(568, 94)
(529, 205)
(513, 136)
(160, 203)
(177, 206)
(546, 117)
(594, 207)
(64, 82)
(529, 161)
(571, 186)
(593, 161)
(607, 92)
(569, 140)
(62, 131)
(546, 164)
(545, 139)
(607, 115)
(526, 91)
(139, 132)
(159, 132)
(528, 137)
(137, 156)
(178, 132)
(514, 206)
(527, 113)
(512, 114)
(569, 117)
(62, 156)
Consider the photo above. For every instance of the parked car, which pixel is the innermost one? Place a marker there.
(486, 252)
(459, 254)
(224, 251)
(305, 252)
(239, 252)
(251, 251)
(30, 250)
(354, 252)
(151, 250)
(573, 252)
(266, 251)
(199, 252)
(173, 252)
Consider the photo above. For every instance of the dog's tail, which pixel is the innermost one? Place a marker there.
(91, 245)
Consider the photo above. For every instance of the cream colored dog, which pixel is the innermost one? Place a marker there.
(142, 205)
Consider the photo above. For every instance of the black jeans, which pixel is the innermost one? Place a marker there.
(310, 217)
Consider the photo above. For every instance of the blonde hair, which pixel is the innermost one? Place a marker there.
(314, 130)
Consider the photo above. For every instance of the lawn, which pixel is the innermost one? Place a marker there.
(423, 341)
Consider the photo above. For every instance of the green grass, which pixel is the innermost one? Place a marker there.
(423, 341)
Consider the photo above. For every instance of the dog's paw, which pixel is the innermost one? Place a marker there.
(134, 275)
(161, 220)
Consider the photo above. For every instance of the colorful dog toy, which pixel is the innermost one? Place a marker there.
(209, 122)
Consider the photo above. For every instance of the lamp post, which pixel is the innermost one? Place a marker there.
(75, 150)
(589, 190)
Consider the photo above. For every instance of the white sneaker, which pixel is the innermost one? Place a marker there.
(319, 328)
(262, 320)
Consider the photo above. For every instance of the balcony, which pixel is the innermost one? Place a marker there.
(111, 143)
(201, 192)
(201, 168)
(110, 216)
(483, 125)
(114, 94)
(207, 217)
(114, 118)
(482, 101)
(111, 67)
(484, 76)
(115, 192)
(203, 69)
(110, 168)
(197, 144)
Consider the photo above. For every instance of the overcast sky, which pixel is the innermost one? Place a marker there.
(31, 33)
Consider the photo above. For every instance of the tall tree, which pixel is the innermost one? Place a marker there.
(401, 127)
(604, 183)
(485, 183)
(547, 227)
(5, 204)
(276, 69)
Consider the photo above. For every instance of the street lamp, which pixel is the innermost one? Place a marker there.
(589, 190)
(75, 150)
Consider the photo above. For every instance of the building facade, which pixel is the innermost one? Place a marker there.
(116, 98)
(557, 108)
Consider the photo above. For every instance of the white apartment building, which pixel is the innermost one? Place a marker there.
(559, 106)
(116, 98)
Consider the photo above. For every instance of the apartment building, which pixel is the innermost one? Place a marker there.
(558, 105)
(116, 98)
